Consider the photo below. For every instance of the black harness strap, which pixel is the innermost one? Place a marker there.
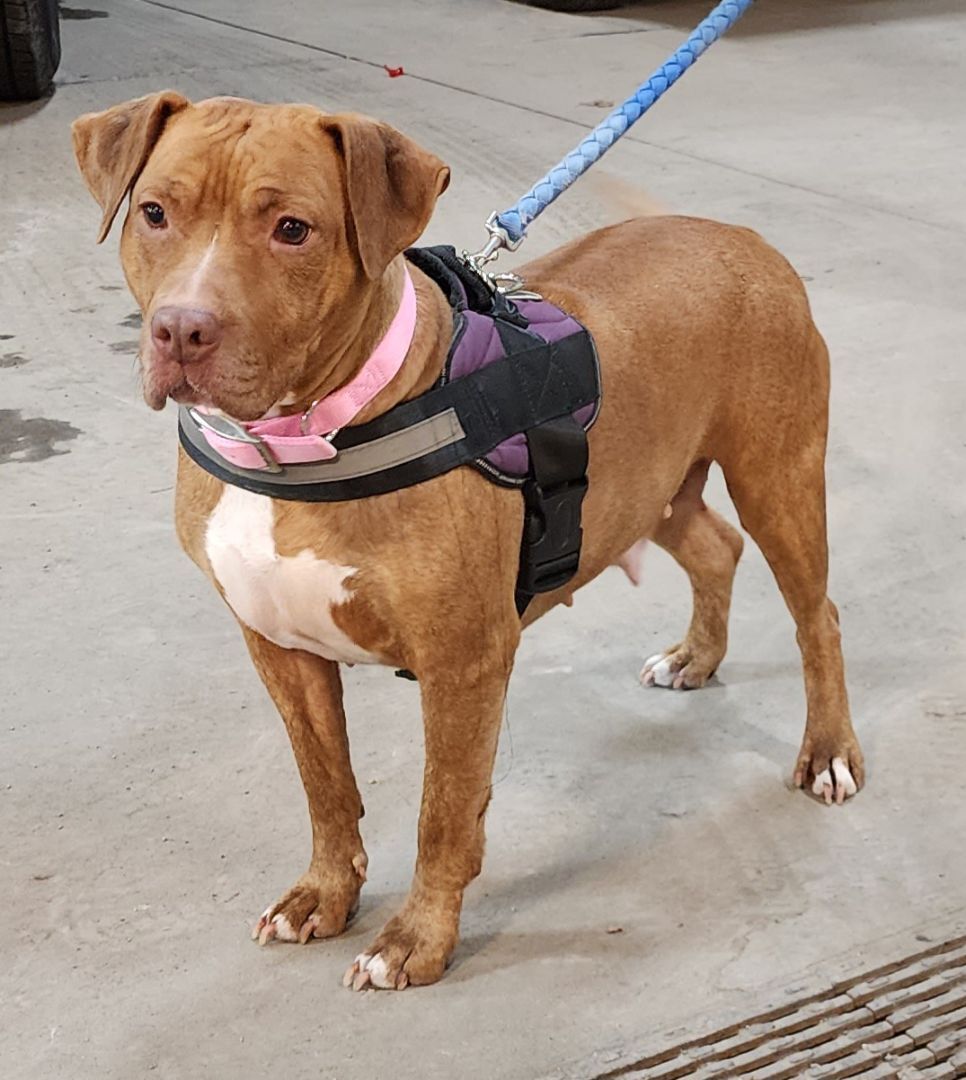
(553, 494)
(517, 393)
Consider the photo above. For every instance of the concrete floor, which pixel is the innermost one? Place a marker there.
(149, 800)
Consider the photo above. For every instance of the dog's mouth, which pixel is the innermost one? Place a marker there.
(189, 385)
(162, 382)
(185, 394)
(216, 382)
(157, 392)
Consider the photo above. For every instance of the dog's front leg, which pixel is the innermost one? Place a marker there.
(462, 711)
(308, 693)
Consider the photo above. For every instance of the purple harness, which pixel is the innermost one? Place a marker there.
(548, 459)
(479, 339)
(488, 328)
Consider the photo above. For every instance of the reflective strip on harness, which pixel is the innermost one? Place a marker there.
(396, 448)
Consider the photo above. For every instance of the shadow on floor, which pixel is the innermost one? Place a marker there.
(790, 16)
(13, 112)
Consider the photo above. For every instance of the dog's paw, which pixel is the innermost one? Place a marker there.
(412, 949)
(274, 926)
(309, 910)
(833, 778)
(373, 971)
(677, 669)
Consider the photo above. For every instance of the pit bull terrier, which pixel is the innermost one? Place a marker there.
(264, 245)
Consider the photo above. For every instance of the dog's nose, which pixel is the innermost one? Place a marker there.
(186, 335)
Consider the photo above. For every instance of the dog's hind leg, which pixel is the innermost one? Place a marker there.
(308, 693)
(780, 497)
(708, 549)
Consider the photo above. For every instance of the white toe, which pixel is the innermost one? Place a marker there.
(659, 669)
(379, 974)
(843, 778)
(283, 928)
(821, 782)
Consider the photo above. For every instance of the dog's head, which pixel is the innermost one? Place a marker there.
(256, 239)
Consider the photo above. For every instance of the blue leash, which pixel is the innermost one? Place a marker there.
(508, 229)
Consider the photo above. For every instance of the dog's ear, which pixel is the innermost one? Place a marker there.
(392, 187)
(112, 147)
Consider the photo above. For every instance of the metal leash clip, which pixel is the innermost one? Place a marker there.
(506, 284)
(499, 239)
(513, 287)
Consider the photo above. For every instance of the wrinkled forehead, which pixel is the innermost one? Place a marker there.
(226, 148)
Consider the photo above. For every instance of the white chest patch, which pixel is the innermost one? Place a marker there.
(287, 599)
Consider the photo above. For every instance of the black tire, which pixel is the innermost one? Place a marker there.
(29, 48)
(575, 7)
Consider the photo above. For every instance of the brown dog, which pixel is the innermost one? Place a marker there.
(263, 244)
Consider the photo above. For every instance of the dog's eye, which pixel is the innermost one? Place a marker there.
(153, 214)
(291, 231)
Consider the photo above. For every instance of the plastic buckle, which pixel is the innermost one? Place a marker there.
(550, 550)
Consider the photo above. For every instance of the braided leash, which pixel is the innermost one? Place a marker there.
(508, 228)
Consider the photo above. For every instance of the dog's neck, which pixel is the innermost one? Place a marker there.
(427, 353)
(424, 360)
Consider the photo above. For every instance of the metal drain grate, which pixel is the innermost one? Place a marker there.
(905, 1020)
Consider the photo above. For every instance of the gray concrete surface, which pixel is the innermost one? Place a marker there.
(150, 805)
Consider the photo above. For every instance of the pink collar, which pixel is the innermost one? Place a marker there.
(304, 437)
